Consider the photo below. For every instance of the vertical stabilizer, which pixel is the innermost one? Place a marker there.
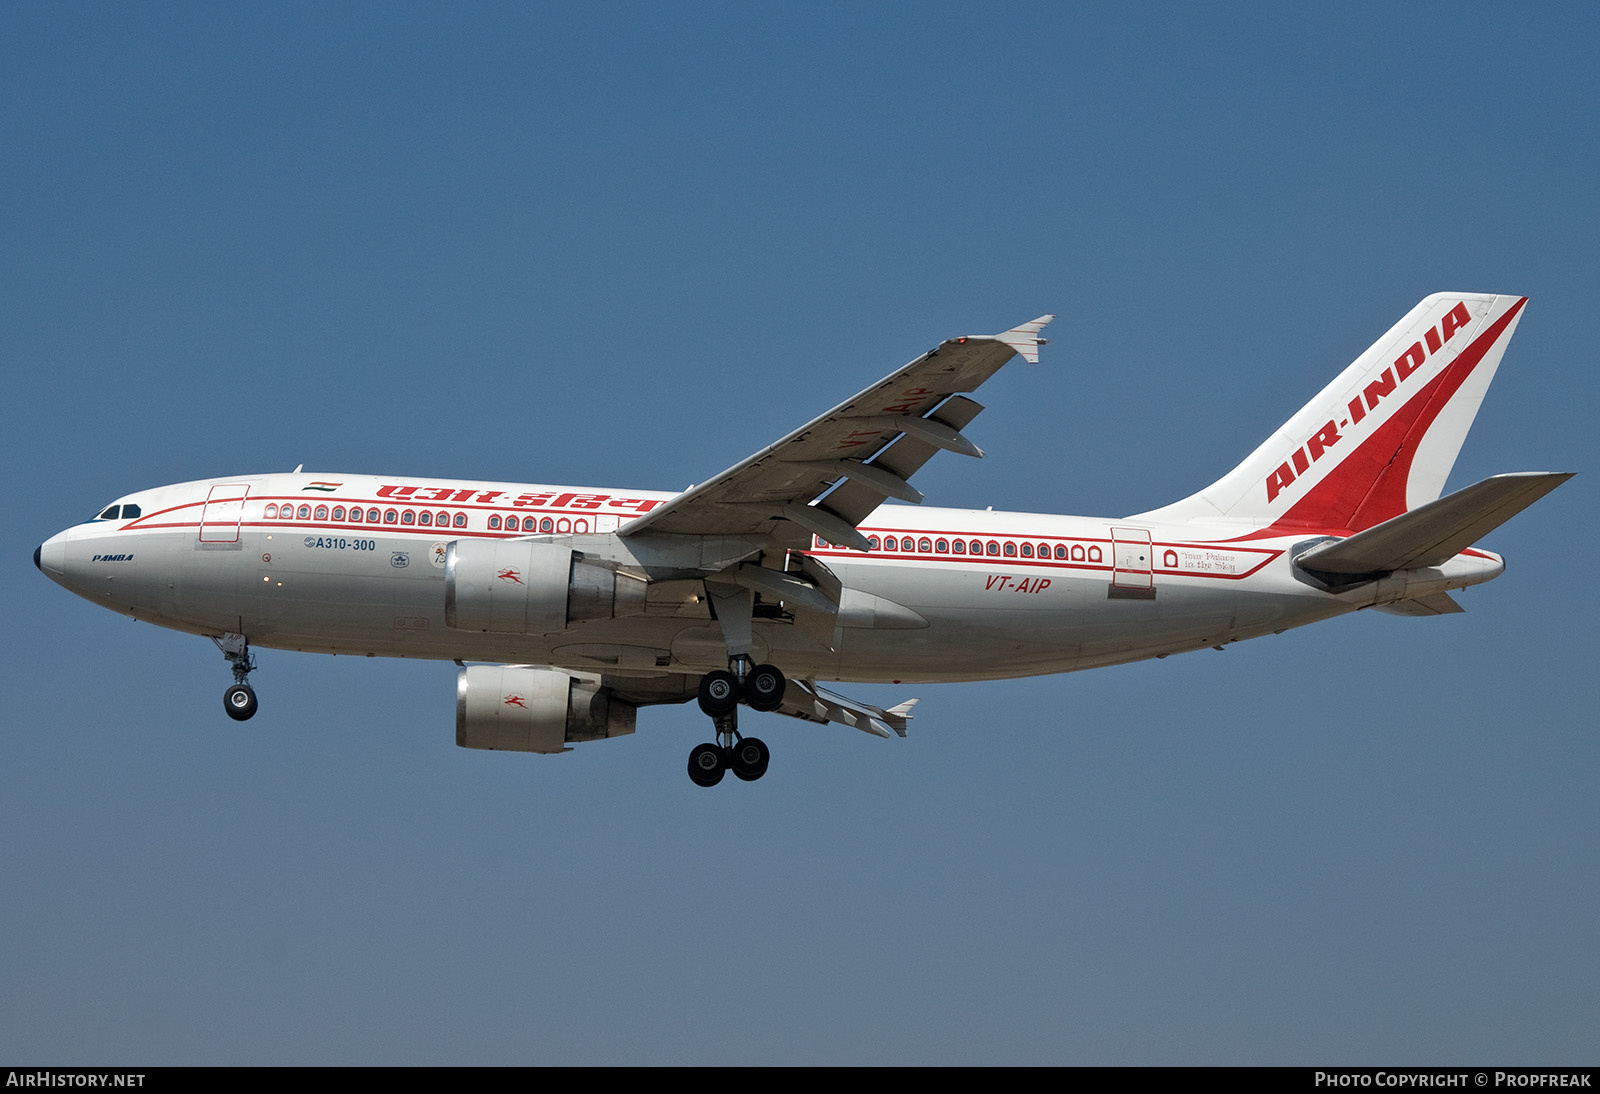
(1381, 438)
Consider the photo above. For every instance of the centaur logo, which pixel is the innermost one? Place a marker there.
(516, 701)
(1300, 461)
(509, 574)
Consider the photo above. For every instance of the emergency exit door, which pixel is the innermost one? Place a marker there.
(1132, 564)
(224, 511)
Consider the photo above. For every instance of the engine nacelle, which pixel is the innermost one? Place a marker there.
(531, 587)
(514, 708)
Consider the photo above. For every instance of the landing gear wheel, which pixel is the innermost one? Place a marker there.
(239, 701)
(749, 759)
(706, 764)
(763, 687)
(719, 693)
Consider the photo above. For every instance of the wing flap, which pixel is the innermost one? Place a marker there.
(856, 497)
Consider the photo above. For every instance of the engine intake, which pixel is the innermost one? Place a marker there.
(531, 587)
(515, 708)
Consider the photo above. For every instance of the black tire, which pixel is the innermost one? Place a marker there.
(240, 702)
(764, 686)
(749, 759)
(719, 693)
(707, 762)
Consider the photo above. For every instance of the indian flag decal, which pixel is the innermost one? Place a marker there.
(328, 487)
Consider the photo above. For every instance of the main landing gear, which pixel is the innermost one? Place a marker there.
(240, 699)
(761, 688)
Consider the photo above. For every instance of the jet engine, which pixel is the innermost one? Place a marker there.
(531, 587)
(517, 708)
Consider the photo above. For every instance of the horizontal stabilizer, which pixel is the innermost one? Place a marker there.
(1432, 534)
(1437, 604)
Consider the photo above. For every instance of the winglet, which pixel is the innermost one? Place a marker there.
(1025, 339)
(896, 717)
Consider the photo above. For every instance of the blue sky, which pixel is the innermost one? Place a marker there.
(630, 245)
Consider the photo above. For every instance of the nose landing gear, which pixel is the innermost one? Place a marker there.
(239, 701)
(762, 687)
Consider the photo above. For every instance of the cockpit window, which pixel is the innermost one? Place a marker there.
(114, 512)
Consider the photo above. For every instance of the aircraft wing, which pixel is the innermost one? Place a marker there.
(827, 476)
(810, 703)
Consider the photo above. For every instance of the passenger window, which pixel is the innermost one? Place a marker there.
(390, 516)
(547, 525)
(977, 548)
(372, 516)
(408, 517)
(941, 545)
(443, 520)
(305, 512)
(355, 516)
(959, 546)
(425, 518)
(338, 512)
(1027, 550)
(872, 543)
(461, 520)
(1011, 550)
(994, 547)
(494, 522)
(1061, 550)
(891, 544)
(925, 545)
(322, 512)
(270, 512)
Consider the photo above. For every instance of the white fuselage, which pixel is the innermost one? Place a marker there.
(355, 565)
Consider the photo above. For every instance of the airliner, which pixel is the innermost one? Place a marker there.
(569, 608)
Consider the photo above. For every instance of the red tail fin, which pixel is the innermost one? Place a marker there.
(1381, 438)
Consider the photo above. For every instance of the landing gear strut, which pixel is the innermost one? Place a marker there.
(762, 687)
(240, 699)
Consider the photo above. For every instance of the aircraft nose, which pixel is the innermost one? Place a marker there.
(51, 556)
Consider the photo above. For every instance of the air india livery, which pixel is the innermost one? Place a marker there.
(570, 608)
